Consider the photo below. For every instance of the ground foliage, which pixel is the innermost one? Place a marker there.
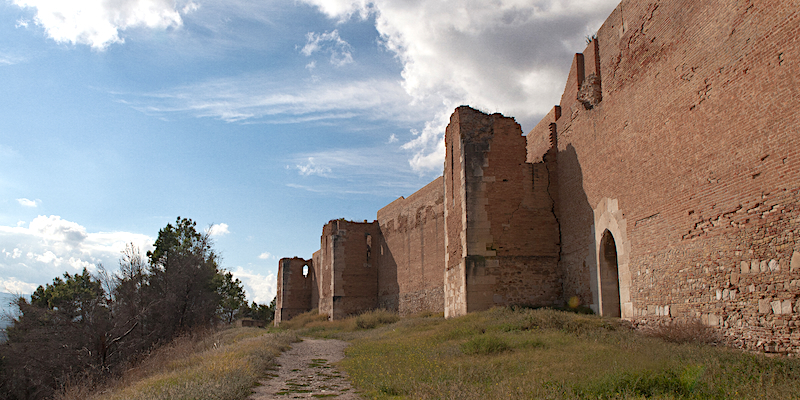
(521, 353)
(89, 328)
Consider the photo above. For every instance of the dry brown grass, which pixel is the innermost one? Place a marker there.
(223, 365)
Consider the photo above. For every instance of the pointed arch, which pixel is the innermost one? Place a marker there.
(611, 240)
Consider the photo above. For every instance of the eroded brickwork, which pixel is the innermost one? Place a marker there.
(509, 244)
(294, 289)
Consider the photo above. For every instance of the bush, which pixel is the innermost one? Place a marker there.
(484, 344)
(692, 331)
(375, 318)
(302, 320)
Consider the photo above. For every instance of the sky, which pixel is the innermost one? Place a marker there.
(259, 120)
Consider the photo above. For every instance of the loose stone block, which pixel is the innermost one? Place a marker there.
(795, 265)
(754, 266)
(776, 306)
(763, 306)
(763, 266)
(745, 266)
(774, 266)
(786, 307)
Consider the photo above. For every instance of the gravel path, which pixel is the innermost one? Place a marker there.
(306, 372)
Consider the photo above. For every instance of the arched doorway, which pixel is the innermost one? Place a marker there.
(609, 276)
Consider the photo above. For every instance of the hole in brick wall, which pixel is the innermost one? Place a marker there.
(305, 271)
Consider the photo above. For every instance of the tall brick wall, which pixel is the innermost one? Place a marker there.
(294, 288)
(411, 253)
(509, 243)
(689, 158)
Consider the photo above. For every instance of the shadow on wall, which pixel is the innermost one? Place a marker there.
(388, 285)
(578, 259)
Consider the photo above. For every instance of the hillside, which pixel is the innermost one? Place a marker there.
(528, 354)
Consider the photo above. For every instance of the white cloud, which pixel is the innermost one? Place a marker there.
(98, 23)
(29, 203)
(311, 168)
(265, 256)
(16, 286)
(262, 97)
(508, 56)
(382, 170)
(49, 246)
(259, 288)
(340, 51)
(393, 138)
(218, 230)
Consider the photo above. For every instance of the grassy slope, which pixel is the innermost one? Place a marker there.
(507, 354)
(225, 365)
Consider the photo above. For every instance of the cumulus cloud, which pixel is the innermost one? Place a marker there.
(258, 287)
(98, 23)
(218, 230)
(507, 56)
(265, 256)
(29, 203)
(330, 43)
(50, 245)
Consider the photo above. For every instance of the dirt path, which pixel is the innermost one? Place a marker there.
(306, 372)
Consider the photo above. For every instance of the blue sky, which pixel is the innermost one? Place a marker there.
(266, 118)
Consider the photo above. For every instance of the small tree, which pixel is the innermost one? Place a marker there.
(232, 297)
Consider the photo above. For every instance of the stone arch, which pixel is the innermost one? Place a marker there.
(608, 269)
(610, 225)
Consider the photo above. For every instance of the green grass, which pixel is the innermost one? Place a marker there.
(528, 354)
(225, 365)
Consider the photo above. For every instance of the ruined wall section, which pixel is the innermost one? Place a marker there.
(353, 257)
(690, 154)
(294, 289)
(455, 234)
(509, 248)
(411, 254)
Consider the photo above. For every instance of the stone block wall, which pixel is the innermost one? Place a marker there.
(411, 253)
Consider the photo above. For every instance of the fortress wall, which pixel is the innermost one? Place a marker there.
(509, 240)
(411, 253)
(690, 158)
(294, 290)
(354, 266)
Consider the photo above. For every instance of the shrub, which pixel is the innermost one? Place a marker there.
(375, 318)
(484, 344)
(304, 319)
(692, 331)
